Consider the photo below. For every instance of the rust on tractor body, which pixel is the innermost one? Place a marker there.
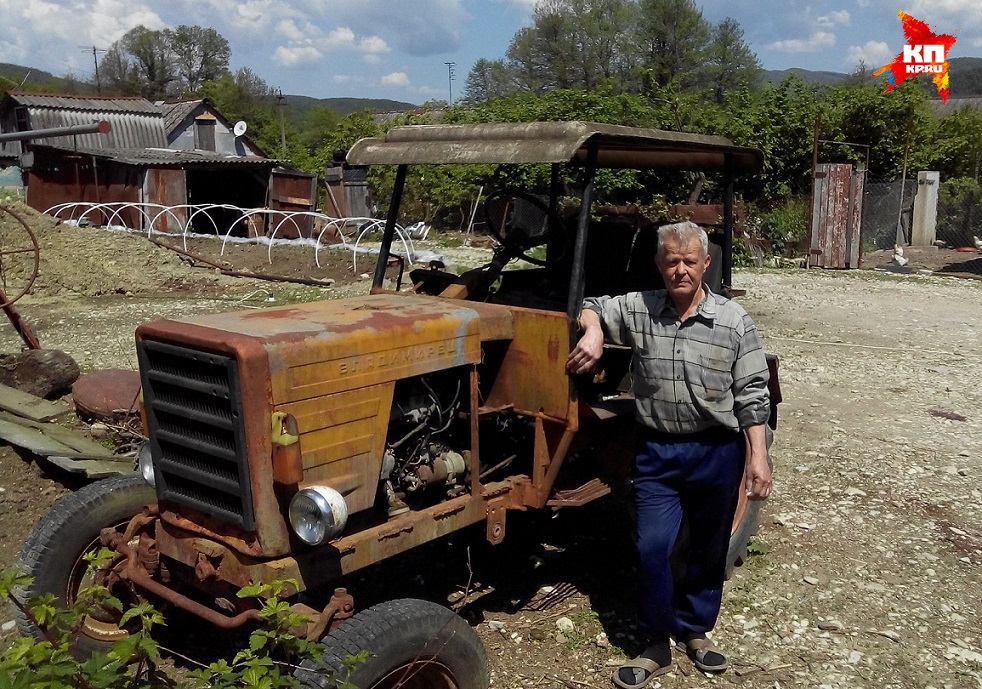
(421, 413)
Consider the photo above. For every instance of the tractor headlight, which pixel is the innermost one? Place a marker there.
(318, 514)
(145, 463)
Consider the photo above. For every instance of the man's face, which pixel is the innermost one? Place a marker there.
(682, 265)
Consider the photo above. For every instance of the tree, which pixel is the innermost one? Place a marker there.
(152, 60)
(542, 54)
(200, 54)
(487, 80)
(673, 37)
(118, 73)
(238, 95)
(730, 62)
(573, 44)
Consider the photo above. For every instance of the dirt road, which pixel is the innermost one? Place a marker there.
(866, 572)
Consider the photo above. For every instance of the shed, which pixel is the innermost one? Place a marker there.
(151, 156)
(198, 125)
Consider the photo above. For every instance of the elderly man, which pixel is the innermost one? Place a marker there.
(700, 381)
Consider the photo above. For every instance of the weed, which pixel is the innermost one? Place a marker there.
(274, 651)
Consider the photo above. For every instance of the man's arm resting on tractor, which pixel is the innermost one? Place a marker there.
(586, 353)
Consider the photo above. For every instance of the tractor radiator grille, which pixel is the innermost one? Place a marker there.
(197, 433)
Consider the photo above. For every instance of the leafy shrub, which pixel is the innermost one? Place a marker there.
(273, 653)
(783, 227)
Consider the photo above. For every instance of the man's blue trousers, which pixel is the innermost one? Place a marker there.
(696, 478)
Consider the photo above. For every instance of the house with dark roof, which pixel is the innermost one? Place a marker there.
(198, 125)
(154, 156)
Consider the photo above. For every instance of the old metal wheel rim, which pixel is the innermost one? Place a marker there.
(80, 577)
(33, 248)
(419, 674)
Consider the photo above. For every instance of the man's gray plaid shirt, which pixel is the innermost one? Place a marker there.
(706, 372)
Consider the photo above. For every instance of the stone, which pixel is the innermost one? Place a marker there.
(497, 625)
(41, 372)
(565, 625)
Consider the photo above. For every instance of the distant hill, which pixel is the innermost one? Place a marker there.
(776, 76)
(965, 74)
(20, 77)
(299, 105)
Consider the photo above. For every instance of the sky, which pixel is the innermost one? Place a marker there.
(398, 49)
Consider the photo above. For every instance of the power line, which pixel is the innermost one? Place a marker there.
(95, 60)
(450, 78)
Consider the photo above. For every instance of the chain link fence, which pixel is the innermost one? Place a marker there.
(885, 204)
(888, 214)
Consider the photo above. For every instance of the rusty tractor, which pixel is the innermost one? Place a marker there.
(307, 442)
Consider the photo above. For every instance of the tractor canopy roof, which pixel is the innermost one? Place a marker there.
(554, 142)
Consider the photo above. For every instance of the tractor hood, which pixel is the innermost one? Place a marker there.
(325, 347)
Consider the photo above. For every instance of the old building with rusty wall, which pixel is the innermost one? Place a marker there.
(170, 154)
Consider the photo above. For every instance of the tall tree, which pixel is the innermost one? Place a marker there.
(572, 44)
(673, 37)
(730, 63)
(152, 59)
(487, 80)
(118, 73)
(200, 54)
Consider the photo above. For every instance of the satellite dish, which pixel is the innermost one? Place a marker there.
(240, 128)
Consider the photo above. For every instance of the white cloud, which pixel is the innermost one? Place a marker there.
(820, 40)
(342, 79)
(872, 54)
(373, 45)
(291, 56)
(395, 79)
(289, 29)
(837, 18)
(340, 37)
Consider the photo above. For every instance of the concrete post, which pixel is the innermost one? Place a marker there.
(924, 225)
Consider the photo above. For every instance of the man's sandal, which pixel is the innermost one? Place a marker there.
(644, 670)
(704, 654)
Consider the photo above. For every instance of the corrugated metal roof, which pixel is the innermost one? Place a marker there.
(136, 122)
(130, 130)
(133, 104)
(553, 142)
(154, 157)
(176, 112)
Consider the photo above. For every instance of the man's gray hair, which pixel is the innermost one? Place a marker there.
(684, 232)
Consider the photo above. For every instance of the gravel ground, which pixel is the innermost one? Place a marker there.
(866, 569)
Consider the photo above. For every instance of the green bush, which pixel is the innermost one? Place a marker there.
(783, 227)
(274, 651)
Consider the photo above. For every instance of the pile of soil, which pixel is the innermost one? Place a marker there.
(93, 261)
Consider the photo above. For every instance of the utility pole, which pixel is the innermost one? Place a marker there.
(95, 61)
(280, 104)
(450, 78)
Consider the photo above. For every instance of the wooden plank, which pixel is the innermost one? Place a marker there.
(29, 406)
(93, 468)
(65, 437)
(31, 438)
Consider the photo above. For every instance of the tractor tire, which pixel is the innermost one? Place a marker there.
(414, 644)
(52, 553)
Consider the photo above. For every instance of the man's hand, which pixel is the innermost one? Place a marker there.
(757, 475)
(586, 354)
